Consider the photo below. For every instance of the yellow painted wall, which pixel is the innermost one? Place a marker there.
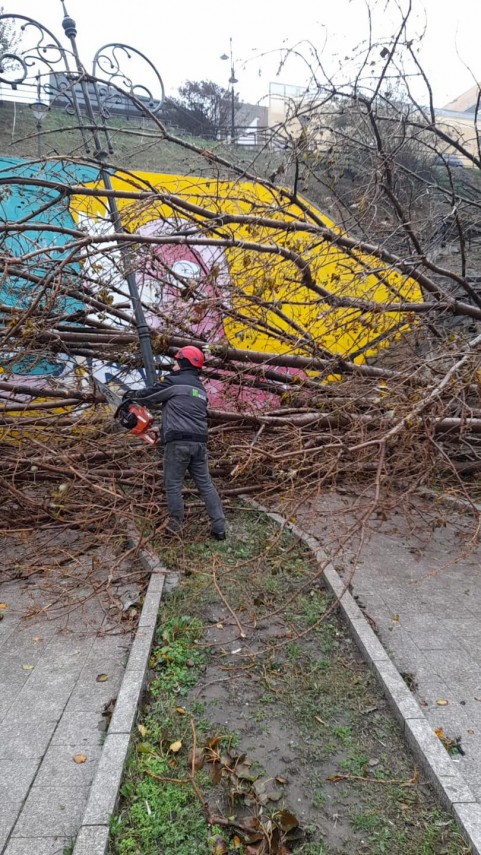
(256, 276)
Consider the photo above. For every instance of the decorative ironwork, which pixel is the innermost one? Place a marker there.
(42, 52)
(41, 60)
(116, 83)
(58, 76)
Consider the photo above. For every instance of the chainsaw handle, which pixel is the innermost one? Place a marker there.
(122, 408)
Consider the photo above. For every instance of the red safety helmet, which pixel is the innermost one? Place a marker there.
(192, 354)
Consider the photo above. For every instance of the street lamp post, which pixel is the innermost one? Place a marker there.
(95, 94)
(232, 80)
(39, 110)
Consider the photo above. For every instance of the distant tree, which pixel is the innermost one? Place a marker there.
(203, 108)
(8, 36)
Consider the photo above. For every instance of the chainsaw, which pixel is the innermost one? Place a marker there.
(130, 414)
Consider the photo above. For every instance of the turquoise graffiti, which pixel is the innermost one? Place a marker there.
(32, 207)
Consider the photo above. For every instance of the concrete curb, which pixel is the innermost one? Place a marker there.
(93, 835)
(431, 755)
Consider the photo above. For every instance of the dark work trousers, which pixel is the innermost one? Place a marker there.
(181, 457)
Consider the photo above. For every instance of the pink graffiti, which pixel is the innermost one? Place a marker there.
(175, 279)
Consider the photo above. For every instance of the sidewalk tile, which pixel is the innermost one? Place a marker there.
(16, 777)
(91, 695)
(9, 810)
(80, 729)
(58, 768)
(42, 698)
(21, 740)
(37, 845)
(54, 810)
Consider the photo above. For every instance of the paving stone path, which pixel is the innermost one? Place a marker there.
(57, 638)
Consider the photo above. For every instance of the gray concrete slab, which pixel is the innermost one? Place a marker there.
(9, 812)
(20, 742)
(59, 768)
(55, 640)
(51, 811)
(89, 694)
(37, 846)
(80, 728)
(16, 777)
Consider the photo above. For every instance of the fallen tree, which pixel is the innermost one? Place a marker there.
(367, 312)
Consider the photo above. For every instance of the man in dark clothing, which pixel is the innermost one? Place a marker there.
(184, 433)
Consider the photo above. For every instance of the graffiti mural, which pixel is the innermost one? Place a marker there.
(38, 207)
(205, 267)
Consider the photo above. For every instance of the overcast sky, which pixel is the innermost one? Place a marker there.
(185, 38)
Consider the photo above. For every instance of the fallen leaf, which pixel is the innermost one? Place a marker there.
(142, 730)
(101, 678)
(441, 702)
(216, 773)
(245, 773)
(145, 748)
(175, 746)
(181, 711)
(220, 847)
(395, 618)
(109, 707)
(439, 731)
(3, 606)
(199, 759)
(286, 821)
(219, 625)
(27, 667)
(281, 780)
(79, 758)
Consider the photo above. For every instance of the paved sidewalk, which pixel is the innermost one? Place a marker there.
(419, 582)
(62, 659)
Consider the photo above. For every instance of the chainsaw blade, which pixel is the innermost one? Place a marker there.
(113, 398)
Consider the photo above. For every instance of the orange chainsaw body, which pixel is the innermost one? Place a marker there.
(132, 416)
(145, 427)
